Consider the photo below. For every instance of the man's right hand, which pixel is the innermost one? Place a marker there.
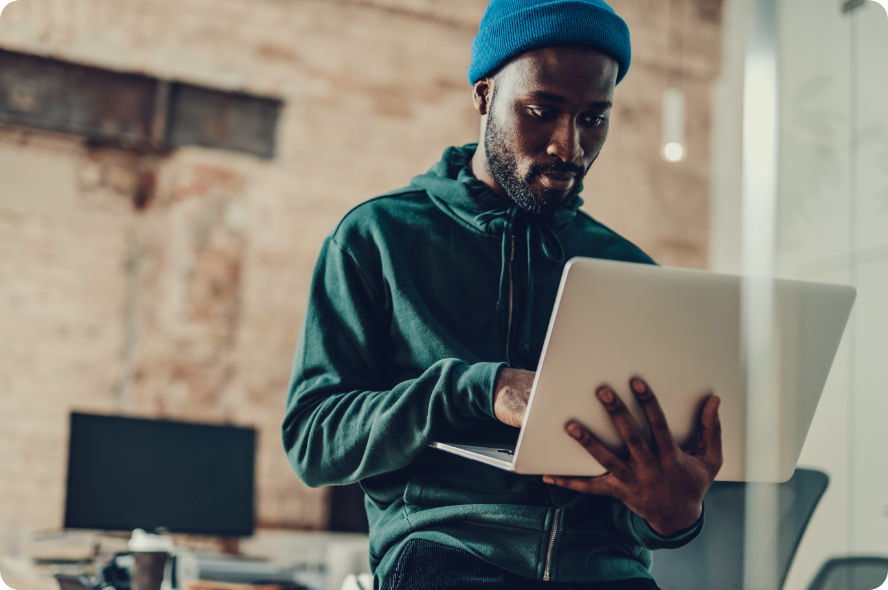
(511, 390)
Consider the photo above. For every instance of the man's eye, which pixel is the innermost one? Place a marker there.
(594, 120)
(539, 112)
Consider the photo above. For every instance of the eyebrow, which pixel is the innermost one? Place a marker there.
(552, 97)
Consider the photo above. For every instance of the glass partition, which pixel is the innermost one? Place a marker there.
(813, 205)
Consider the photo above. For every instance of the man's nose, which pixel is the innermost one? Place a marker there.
(565, 142)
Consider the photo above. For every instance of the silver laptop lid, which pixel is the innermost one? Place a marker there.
(681, 330)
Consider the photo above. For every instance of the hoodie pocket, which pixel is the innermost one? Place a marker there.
(475, 493)
(455, 480)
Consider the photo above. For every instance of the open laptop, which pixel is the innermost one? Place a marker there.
(683, 331)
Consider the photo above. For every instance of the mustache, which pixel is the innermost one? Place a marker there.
(561, 167)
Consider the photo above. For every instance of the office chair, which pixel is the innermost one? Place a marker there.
(715, 558)
(852, 573)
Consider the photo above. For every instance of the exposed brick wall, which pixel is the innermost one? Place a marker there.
(190, 307)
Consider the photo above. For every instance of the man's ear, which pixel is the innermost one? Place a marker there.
(481, 93)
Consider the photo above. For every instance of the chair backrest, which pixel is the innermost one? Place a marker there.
(852, 573)
(715, 558)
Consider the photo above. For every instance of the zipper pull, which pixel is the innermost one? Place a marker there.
(514, 242)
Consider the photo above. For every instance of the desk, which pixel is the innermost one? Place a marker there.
(335, 554)
(324, 558)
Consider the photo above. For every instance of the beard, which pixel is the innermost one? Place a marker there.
(504, 167)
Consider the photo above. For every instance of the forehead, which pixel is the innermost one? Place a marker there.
(577, 70)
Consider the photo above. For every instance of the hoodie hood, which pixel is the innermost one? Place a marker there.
(452, 187)
(455, 191)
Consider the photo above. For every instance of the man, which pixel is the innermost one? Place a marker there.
(427, 313)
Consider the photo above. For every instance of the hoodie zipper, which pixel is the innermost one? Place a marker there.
(553, 534)
(511, 305)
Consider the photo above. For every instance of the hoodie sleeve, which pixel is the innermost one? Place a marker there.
(343, 423)
(637, 529)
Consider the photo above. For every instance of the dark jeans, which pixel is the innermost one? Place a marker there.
(424, 565)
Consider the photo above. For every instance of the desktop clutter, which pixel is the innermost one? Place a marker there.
(155, 562)
(266, 560)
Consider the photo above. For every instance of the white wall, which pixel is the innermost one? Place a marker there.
(832, 226)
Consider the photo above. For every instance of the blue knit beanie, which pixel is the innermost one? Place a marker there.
(512, 27)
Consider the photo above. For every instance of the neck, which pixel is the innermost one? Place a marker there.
(481, 170)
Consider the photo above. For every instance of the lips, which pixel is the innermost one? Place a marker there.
(557, 181)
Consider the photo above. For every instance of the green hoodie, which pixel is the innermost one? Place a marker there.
(418, 298)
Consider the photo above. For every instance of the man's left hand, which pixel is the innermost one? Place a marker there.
(659, 481)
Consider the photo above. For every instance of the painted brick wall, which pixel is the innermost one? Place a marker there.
(190, 308)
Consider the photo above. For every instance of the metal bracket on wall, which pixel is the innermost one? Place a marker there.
(132, 111)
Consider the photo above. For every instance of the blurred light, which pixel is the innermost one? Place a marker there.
(673, 143)
(674, 151)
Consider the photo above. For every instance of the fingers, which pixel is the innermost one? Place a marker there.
(656, 419)
(596, 448)
(626, 425)
(710, 447)
(604, 485)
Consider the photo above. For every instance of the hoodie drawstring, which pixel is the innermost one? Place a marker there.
(504, 269)
(502, 301)
(553, 252)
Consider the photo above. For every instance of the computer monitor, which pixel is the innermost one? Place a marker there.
(126, 473)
